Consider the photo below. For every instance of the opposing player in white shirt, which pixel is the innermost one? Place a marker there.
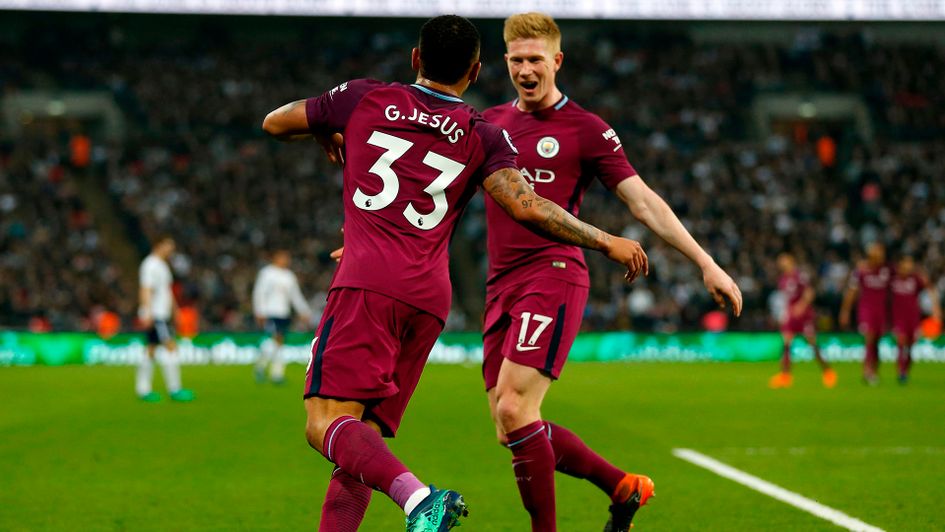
(275, 294)
(156, 310)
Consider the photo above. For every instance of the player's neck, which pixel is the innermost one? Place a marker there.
(452, 90)
(554, 96)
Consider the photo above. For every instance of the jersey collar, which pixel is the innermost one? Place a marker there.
(436, 94)
(557, 107)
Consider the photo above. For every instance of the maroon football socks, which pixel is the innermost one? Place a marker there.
(533, 461)
(345, 503)
(904, 360)
(575, 458)
(360, 452)
(872, 358)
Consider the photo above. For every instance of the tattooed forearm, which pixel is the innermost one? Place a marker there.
(288, 122)
(289, 107)
(516, 196)
(560, 225)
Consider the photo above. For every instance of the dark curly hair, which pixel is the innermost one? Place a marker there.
(449, 45)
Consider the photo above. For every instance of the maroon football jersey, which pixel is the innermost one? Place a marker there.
(905, 295)
(413, 159)
(874, 288)
(793, 285)
(562, 149)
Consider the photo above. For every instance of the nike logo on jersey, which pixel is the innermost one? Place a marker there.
(520, 347)
(610, 134)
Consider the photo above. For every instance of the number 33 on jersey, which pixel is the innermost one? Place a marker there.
(396, 148)
(414, 158)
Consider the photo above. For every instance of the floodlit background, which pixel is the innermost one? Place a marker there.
(767, 126)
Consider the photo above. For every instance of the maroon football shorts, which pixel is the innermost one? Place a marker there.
(871, 320)
(534, 324)
(371, 348)
(803, 324)
(906, 326)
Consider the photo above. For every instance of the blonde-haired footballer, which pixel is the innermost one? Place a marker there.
(537, 288)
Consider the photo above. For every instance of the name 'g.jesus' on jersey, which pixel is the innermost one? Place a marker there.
(414, 157)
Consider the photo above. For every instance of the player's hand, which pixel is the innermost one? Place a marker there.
(305, 318)
(722, 288)
(844, 319)
(147, 321)
(260, 320)
(629, 253)
(333, 146)
(336, 254)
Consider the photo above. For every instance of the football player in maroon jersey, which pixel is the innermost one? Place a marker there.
(413, 157)
(537, 288)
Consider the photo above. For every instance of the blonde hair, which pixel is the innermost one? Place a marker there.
(532, 26)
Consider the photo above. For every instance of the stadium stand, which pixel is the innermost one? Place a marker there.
(192, 162)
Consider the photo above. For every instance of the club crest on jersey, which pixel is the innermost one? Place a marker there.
(548, 147)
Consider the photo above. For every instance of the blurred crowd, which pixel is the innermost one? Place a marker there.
(195, 164)
(54, 270)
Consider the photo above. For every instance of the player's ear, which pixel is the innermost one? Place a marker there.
(559, 58)
(415, 59)
(474, 72)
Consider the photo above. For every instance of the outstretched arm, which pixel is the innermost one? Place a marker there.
(290, 123)
(510, 190)
(648, 207)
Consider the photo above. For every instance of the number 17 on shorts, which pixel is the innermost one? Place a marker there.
(543, 323)
(542, 318)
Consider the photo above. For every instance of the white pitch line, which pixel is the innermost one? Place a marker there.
(798, 501)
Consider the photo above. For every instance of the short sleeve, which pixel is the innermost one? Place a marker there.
(146, 275)
(498, 149)
(603, 153)
(330, 112)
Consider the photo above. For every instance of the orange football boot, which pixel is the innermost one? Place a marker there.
(781, 380)
(829, 378)
(632, 492)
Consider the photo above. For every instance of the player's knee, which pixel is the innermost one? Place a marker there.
(510, 410)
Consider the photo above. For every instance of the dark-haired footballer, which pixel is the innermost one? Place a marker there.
(156, 311)
(907, 284)
(869, 287)
(413, 157)
(797, 320)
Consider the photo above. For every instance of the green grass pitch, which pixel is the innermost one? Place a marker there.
(78, 452)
